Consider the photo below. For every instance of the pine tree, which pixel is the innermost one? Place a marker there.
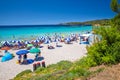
(115, 6)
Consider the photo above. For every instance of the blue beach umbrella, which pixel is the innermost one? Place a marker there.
(21, 52)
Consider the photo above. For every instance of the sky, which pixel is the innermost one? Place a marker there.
(39, 12)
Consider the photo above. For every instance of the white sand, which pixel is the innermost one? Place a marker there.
(71, 52)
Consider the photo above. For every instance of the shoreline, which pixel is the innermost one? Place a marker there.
(18, 33)
(36, 36)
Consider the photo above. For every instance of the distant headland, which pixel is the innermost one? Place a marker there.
(87, 23)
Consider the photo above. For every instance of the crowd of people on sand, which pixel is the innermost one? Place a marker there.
(19, 44)
(24, 44)
(22, 57)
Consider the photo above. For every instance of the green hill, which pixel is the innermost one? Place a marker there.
(103, 22)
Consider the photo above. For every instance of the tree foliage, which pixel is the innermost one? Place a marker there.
(114, 5)
(115, 22)
(107, 51)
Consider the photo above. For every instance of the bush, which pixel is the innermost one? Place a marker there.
(61, 65)
(106, 51)
(39, 69)
(77, 71)
(22, 74)
(116, 51)
(85, 62)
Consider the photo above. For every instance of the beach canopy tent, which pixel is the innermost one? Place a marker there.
(35, 50)
(6, 57)
(5, 48)
(84, 38)
(21, 52)
(86, 35)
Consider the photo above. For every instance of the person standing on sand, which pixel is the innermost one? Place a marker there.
(5, 51)
(19, 59)
(25, 59)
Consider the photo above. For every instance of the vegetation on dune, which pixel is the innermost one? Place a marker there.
(106, 51)
(63, 70)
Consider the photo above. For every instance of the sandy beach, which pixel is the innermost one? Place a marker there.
(71, 52)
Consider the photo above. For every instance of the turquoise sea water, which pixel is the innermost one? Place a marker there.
(29, 32)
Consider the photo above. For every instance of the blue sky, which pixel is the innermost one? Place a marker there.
(27, 12)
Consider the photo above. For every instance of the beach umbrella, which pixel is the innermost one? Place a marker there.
(13, 41)
(36, 41)
(35, 50)
(5, 48)
(2, 42)
(21, 52)
(29, 45)
(27, 42)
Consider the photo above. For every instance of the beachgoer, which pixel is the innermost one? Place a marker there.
(6, 51)
(19, 59)
(58, 45)
(25, 58)
(50, 47)
(37, 56)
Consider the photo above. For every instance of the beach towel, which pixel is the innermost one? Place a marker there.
(7, 57)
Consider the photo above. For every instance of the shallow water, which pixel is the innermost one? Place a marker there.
(30, 32)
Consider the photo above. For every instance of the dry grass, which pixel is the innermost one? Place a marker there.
(109, 73)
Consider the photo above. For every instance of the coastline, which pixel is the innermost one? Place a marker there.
(22, 32)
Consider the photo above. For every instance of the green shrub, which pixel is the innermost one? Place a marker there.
(43, 77)
(116, 51)
(106, 51)
(109, 59)
(18, 76)
(85, 62)
(39, 69)
(90, 62)
(68, 76)
(61, 65)
(78, 71)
